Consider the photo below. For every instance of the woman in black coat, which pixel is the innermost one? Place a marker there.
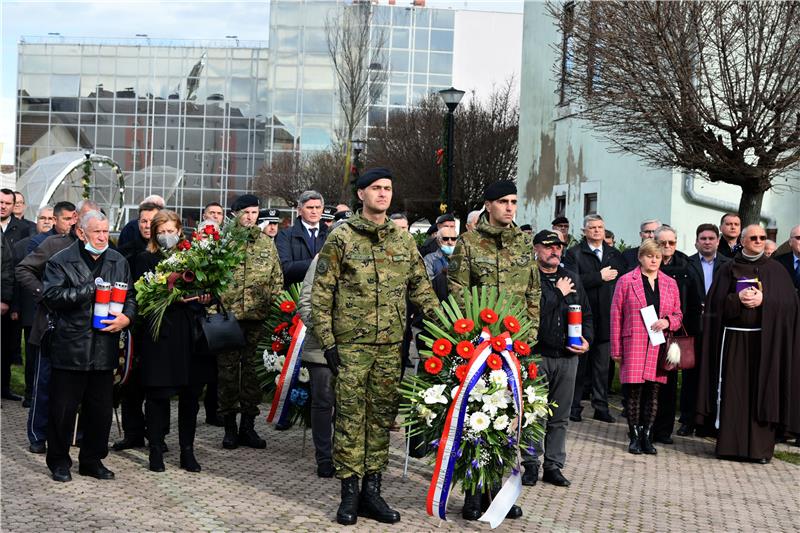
(169, 364)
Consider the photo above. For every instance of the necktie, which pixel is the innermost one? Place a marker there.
(597, 253)
(313, 232)
(797, 269)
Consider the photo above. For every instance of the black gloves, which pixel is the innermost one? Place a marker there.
(332, 358)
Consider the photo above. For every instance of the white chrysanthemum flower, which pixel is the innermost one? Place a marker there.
(478, 421)
(435, 394)
(500, 423)
(498, 377)
(269, 359)
(494, 402)
(304, 376)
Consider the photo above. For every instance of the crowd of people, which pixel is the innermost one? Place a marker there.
(365, 286)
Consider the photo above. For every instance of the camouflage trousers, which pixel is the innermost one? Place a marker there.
(237, 381)
(366, 406)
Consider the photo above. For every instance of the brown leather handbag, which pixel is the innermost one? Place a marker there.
(677, 353)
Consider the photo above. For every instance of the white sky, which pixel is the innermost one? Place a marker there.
(162, 19)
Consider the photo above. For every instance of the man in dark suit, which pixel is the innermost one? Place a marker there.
(791, 260)
(647, 230)
(730, 226)
(19, 212)
(64, 217)
(298, 244)
(598, 265)
(703, 267)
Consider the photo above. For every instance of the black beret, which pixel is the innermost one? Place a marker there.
(547, 237)
(244, 201)
(328, 212)
(341, 215)
(447, 217)
(526, 227)
(559, 220)
(372, 175)
(498, 189)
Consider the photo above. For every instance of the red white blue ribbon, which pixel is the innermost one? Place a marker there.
(288, 377)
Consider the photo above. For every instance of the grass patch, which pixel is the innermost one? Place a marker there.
(789, 457)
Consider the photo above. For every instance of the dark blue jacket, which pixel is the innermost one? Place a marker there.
(295, 250)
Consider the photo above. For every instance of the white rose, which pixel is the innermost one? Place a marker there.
(478, 421)
(435, 394)
(498, 377)
(500, 423)
(304, 376)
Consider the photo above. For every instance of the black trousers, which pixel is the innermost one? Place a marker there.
(92, 391)
(211, 399)
(665, 419)
(10, 336)
(593, 367)
(157, 413)
(31, 359)
(131, 404)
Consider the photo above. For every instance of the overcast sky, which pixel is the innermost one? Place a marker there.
(163, 19)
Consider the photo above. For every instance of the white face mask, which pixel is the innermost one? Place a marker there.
(168, 240)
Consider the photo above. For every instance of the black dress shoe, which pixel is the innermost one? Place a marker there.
(762, 461)
(38, 447)
(325, 470)
(685, 430)
(128, 443)
(282, 426)
(604, 416)
(555, 477)
(575, 417)
(97, 471)
(664, 439)
(11, 396)
(61, 473)
(530, 476)
(515, 512)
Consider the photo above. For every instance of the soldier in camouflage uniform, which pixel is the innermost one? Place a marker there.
(256, 283)
(497, 254)
(364, 273)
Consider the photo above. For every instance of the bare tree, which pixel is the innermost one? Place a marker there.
(710, 87)
(291, 173)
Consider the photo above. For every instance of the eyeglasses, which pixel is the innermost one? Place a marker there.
(758, 238)
(449, 239)
(668, 243)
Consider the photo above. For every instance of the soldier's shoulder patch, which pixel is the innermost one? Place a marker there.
(455, 264)
(322, 265)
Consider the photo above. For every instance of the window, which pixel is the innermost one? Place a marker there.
(590, 203)
(561, 205)
(566, 52)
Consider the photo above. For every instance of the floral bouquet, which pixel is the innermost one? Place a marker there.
(283, 377)
(478, 399)
(204, 265)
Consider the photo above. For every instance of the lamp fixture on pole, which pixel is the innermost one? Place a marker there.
(451, 98)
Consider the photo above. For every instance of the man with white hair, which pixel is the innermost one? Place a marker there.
(472, 219)
(131, 230)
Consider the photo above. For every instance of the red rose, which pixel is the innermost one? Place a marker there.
(461, 372)
(511, 324)
(196, 236)
(280, 327)
(288, 306)
(465, 349)
(184, 245)
(433, 365)
(216, 236)
(533, 371)
(494, 362)
(499, 343)
(463, 325)
(521, 348)
(277, 346)
(488, 316)
(209, 229)
(442, 347)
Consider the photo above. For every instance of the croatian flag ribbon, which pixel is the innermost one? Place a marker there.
(288, 377)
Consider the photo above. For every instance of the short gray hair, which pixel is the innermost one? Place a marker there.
(154, 199)
(472, 218)
(592, 218)
(89, 216)
(662, 228)
(648, 222)
(745, 233)
(398, 216)
(44, 208)
(307, 196)
(90, 204)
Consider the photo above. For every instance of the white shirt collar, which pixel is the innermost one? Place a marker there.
(309, 227)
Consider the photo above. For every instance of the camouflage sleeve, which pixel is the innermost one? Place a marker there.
(326, 279)
(533, 296)
(420, 291)
(276, 274)
(458, 271)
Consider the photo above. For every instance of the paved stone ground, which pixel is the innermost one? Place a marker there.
(683, 488)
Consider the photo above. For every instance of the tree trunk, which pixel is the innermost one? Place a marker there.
(750, 207)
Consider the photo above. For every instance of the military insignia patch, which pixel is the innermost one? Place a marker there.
(322, 265)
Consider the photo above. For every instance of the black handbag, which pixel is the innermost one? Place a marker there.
(219, 332)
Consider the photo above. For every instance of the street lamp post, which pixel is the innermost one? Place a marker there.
(451, 98)
(358, 146)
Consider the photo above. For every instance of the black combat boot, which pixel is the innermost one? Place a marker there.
(372, 504)
(230, 441)
(248, 435)
(646, 441)
(156, 459)
(472, 506)
(348, 509)
(188, 460)
(635, 434)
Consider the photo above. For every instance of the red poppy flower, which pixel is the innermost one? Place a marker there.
(521, 348)
(442, 347)
(216, 236)
(288, 306)
(280, 327)
(511, 324)
(533, 371)
(465, 349)
(499, 343)
(461, 372)
(277, 346)
(494, 362)
(209, 229)
(488, 316)
(433, 365)
(463, 325)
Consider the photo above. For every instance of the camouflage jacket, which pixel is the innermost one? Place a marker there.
(500, 258)
(257, 281)
(364, 273)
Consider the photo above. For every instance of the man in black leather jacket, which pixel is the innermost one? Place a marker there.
(83, 358)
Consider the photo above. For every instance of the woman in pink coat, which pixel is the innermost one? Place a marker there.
(630, 343)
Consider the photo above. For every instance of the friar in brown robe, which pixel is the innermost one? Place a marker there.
(749, 372)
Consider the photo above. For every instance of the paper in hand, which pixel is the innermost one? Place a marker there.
(650, 317)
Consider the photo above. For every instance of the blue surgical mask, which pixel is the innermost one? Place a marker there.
(447, 249)
(92, 250)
